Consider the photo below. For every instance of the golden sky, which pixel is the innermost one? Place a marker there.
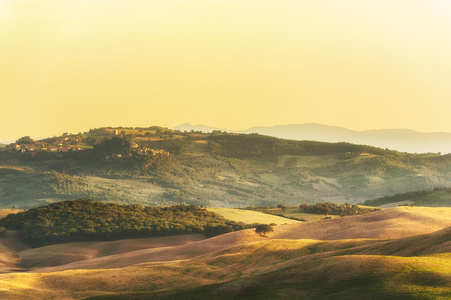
(68, 66)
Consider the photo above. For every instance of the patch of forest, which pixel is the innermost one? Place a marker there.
(87, 220)
(335, 209)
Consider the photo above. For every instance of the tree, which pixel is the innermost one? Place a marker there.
(304, 207)
(282, 206)
(25, 140)
(113, 145)
(263, 229)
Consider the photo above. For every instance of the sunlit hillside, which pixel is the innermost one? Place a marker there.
(438, 197)
(158, 166)
(243, 264)
(322, 170)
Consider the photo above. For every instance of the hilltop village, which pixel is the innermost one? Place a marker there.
(83, 141)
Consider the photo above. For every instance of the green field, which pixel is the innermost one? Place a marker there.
(267, 216)
(249, 216)
(294, 212)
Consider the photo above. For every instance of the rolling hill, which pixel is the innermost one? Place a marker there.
(397, 139)
(396, 223)
(404, 140)
(158, 166)
(405, 255)
(437, 197)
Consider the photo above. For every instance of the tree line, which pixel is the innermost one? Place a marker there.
(253, 145)
(335, 209)
(438, 196)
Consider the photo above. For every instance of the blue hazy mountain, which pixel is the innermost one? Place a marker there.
(404, 140)
(199, 127)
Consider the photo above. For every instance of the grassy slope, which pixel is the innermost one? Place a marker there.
(431, 198)
(245, 265)
(10, 247)
(340, 277)
(14, 255)
(25, 188)
(55, 255)
(294, 212)
(271, 269)
(423, 244)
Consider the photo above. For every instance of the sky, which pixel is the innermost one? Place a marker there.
(68, 66)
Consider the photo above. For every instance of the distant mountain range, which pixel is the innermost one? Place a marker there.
(404, 140)
(199, 127)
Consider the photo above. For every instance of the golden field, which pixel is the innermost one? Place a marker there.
(402, 251)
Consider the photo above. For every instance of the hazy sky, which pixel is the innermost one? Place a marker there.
(68, 66)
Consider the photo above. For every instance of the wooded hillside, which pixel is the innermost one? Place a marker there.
(161, 167)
